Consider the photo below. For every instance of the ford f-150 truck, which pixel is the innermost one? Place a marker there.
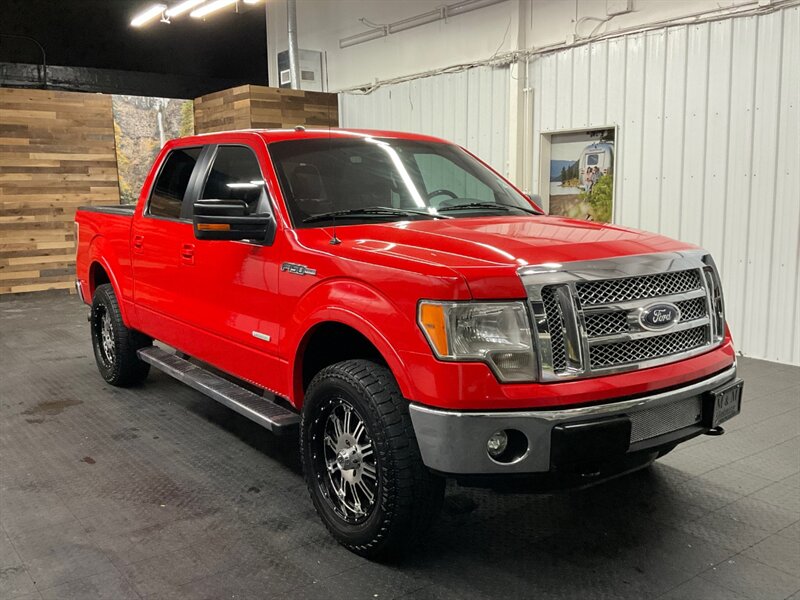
(411, 312)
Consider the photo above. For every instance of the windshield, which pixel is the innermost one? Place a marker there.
(379, 179)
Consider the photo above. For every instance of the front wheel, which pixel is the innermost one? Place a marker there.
(115, 345)
(361, 460)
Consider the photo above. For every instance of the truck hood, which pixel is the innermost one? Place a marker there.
(487, 251)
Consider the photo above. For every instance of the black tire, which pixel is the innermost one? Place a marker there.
(114, 344)
(406, 496)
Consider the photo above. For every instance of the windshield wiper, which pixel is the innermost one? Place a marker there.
(378, 211)
(490, 205)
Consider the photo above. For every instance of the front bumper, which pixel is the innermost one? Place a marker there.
(453, 442)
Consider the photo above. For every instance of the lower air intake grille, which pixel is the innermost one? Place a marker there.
(622, 353)
(652, 422)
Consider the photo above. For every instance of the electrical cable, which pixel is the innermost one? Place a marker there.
(507, 58)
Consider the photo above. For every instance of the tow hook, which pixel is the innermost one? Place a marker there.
(715, 431)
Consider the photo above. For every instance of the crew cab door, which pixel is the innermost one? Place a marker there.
(233, 285)
(160, 227)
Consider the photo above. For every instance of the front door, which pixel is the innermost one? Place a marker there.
(233, 285)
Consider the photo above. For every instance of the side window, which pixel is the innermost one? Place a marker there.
(439, 173)
(235, 175)
(170, 187)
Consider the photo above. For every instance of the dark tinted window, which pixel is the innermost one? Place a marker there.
(323, 175)
(235, 175)
(167, 196)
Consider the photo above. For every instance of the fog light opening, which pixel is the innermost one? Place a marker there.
(507, 446)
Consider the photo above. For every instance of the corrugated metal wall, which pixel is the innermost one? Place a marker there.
(708, 147)
(708, 151)
(469, 108)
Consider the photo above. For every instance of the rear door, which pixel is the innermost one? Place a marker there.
(157, 236)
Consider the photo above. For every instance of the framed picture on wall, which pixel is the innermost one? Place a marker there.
(577, 173)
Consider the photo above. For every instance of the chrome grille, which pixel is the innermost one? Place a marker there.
(608, 291)
(587, 314)
(633, 351)
(606, 323)
(616, 321)
(695, 308)
(666, 418)
(555, 325)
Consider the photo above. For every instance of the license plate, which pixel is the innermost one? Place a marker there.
(726, 402)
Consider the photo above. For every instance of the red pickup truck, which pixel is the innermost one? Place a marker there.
(411, 312)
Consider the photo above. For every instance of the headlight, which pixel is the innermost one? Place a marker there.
(497, 333)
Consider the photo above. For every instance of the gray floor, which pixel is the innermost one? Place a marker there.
(157, 492)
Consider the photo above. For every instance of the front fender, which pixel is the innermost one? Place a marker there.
(362, 308)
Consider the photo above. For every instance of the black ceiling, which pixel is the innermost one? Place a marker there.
(97, 33)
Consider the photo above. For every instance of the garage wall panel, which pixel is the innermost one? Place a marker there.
(56, 153)
(707, 151)
(785, 263)
(469, 108)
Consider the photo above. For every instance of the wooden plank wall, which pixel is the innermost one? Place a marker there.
(259, 107)
(56, 153)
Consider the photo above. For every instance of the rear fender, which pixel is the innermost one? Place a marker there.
(102, 253)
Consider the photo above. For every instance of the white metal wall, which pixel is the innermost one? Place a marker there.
(708, 151)
(469, 108)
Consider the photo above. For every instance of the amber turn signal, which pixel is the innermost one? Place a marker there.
(432, 319)
(213, 227)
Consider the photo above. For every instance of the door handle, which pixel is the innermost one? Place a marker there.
(187, 253)
(138, 242)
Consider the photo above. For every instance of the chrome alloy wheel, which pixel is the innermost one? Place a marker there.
(346, 468)
(105, 332)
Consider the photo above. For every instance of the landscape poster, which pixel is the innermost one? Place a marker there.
(142, 125)
(582, 175)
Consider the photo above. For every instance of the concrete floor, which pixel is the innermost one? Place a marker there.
(158, 492)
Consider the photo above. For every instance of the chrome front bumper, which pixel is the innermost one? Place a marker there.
(455, 442)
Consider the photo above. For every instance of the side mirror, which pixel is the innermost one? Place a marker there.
(228, 220)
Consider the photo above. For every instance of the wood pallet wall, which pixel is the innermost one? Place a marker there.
(259, 107)
(56, 153)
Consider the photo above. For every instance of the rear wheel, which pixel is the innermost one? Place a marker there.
(115, 345)
(361, 460)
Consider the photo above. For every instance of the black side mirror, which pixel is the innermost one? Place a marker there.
(228, 220)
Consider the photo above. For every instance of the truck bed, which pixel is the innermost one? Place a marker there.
(125, 210)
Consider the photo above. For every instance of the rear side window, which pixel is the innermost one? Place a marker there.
(172, 181)
(235, 175)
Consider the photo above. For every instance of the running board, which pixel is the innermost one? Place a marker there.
(263, 411)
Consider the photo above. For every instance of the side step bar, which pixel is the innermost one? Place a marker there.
(263, 411)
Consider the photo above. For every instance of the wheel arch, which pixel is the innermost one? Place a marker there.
(353, 337)
(100, 272)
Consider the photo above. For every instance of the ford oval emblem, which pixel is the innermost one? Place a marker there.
(657, 317)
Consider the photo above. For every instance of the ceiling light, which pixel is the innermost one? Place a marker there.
(250, 1)
(207, 9)
(148, 15)
(182, 7)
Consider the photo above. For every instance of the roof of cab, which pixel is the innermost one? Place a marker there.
(280, 135)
